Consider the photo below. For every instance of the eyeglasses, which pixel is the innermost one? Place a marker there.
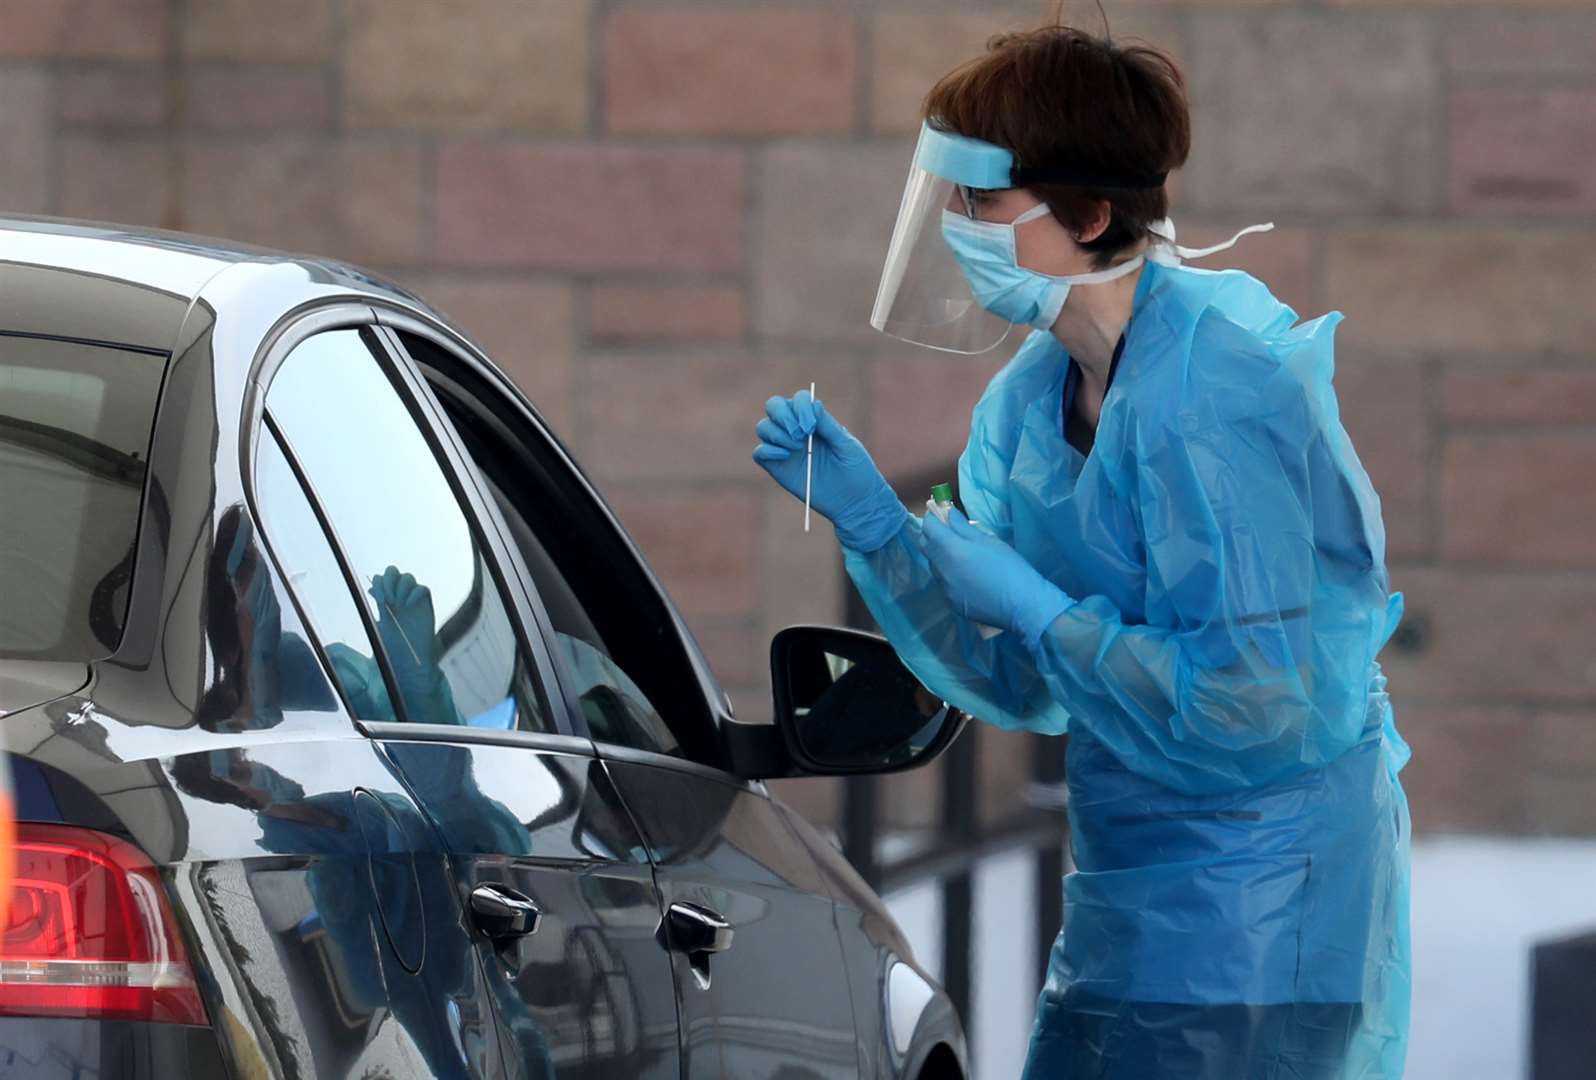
(972, 199)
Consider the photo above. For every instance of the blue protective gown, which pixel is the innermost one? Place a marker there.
(1240, 900)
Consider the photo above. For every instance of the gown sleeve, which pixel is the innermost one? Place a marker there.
(1266, 592)
(994, 679)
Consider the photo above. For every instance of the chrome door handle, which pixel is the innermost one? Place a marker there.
(504, 913)
(697, 930)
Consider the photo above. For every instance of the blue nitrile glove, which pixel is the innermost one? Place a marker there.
(988, 581)
(848, 489)
(405, 623)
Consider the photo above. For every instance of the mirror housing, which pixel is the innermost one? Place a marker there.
(845, 705)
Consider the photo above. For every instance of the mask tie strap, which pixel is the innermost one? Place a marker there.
(1200, 253)
(1166, 252)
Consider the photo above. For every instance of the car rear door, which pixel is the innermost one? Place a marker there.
(459, 691)
(760, 980)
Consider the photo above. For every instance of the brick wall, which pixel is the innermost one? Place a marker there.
(656, 214)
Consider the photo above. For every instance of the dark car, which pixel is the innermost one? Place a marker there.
(351, 735)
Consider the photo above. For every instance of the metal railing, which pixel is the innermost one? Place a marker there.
(959, 845)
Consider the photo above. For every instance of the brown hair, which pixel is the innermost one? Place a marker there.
(1059, 96)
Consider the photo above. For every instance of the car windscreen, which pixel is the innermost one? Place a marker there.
(75, 424)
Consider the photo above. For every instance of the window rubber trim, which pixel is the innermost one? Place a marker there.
(544, 742)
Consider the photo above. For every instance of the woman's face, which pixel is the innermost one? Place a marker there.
(1042, 244)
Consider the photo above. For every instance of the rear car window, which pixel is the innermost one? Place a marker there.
(75, 425)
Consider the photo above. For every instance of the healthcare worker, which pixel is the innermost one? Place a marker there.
(1186, 564)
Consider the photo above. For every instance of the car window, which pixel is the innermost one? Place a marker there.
(75, 423)
(315, 577)
(616, 708)
(615, 635)
(442, 623)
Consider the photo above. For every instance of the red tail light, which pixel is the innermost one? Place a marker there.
(89, 932)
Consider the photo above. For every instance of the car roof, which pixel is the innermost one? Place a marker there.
(128, 285)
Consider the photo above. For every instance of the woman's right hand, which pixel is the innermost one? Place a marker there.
(847, 487)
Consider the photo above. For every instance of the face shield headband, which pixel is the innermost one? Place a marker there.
(977, 164)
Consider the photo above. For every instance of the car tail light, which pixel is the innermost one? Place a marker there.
(89, 932)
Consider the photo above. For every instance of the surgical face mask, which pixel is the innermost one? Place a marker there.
(986, 253)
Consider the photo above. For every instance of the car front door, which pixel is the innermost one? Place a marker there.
(548, 870)
(760, 980)
(771, 999)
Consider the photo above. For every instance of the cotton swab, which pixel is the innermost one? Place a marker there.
(809, 466)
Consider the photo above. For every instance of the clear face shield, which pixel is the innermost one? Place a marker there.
(924, 296)
(951, 280)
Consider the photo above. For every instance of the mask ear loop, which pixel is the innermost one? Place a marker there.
(1037, 211)
(1096, 277)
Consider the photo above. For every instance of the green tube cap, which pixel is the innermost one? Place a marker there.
(942, 493)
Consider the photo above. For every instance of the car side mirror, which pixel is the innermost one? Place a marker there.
(845, 704)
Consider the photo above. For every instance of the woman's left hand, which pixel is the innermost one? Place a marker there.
(988, 581)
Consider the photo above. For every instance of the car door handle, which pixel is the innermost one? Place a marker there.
(504, 913)
(697, 930)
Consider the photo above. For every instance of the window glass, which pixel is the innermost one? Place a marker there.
(75, 423)
(299, 543)
(444, 628)
(614, 636)
(615, 707)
